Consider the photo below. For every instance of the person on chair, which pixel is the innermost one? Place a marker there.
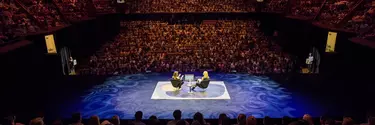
(205, 77)
(177, 76)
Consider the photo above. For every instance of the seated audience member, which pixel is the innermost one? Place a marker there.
(198, 119)
(226, 121)
(177, 114)
(77, 119)
(94, 120)
(299, 122)
(251, 120)
(286, 120)
(267, 121)
(106, 122)
(241, 119)
(222, 117)
(330, 122)
(138, 118)
(181, 122)
(115, 120)
(347, 121)
(153, 120)
(37, 121)
(177, 76)
(11, 120)
(308, 118)
(205, 77)
(58, 122)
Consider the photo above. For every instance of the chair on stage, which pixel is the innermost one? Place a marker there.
(203, 84)
(176, 83)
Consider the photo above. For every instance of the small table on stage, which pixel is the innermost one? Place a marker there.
(190, 85)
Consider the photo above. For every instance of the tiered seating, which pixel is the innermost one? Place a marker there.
(14, 22)
(276, 6)
(335, 10)
(45, 13)
(306, 8)
(363, 17)
(192, 6)
(73, 10)
(105, 6)
(219, 46)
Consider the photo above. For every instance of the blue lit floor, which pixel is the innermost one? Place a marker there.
(251, 95)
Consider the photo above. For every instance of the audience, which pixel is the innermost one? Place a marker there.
(299, 122)
(198, 119)
(226, 121)
(225, 46)
(153, 120)
(276, 6)
(177, 114)
(138, 118)
(306, 8)
(347, 121)
(115, 120)
(335, 10)
(222, 117)
(77, 119)
(241, 119)
(58, 122)
(14, 22)
(94, 120)
(37, 121)
(363, 17)
(74, 10)
(251, 120)
(192, 6)
(267, 121)
(286, 120)
(181, 122)
(105, 6)
(46, 13)
(308, 119)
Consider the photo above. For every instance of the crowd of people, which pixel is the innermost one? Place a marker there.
(363, 17)
(46, 13)
(334, 11)
(276, 6)
(14, 22)
(105, 6)
(193, 6)
(74, 10)
(306, 8)
(219, 45)
(197, 119)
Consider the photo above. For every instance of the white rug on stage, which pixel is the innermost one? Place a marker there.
(215, 90)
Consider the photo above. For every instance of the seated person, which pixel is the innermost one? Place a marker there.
(205, 77)
(178, 77)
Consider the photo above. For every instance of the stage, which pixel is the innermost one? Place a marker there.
(153, 95)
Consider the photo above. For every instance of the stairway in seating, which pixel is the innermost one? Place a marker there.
(349, 15)
(320, 10)
(60, 12)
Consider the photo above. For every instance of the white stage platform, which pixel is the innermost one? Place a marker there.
(215, 90)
